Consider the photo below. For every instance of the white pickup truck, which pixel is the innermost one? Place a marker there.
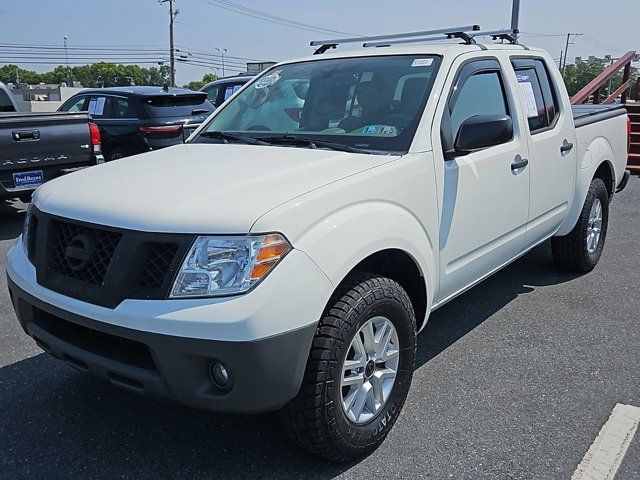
(286, 257)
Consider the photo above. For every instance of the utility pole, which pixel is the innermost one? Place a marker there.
(566, 48)
(172, 59)
(222, 52)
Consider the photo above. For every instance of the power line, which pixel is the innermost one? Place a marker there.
(267, 17)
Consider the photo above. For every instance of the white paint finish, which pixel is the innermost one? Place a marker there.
(293, 296)
(604, 457)
(459, 220)
(393, 206)
(606, 142)
(483, 203)
(200, 188)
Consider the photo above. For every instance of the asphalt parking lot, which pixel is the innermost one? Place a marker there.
(514, 379)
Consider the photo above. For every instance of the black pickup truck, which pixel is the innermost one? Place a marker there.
(37, 147)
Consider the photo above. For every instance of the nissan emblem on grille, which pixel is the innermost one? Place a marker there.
(78, 253)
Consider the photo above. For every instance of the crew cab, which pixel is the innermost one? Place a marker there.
(38, 147)
(263, 266)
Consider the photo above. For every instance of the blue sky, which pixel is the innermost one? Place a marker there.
(143, 24)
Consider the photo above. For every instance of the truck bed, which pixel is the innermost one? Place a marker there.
(41, 146)
(588, 114)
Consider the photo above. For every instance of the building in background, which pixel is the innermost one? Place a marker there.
(42, 97)
(254, 68)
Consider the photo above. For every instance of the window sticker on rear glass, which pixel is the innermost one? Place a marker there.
(383, 130)
(269, 80)
(528, 96)
(422, 62)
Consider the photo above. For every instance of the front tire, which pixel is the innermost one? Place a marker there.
(359, 370)
(581, 249)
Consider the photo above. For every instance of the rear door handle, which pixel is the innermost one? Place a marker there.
(566, 147)
(519, 163)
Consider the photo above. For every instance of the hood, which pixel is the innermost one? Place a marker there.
(198, 188)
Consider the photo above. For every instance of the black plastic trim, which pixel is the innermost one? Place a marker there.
(265, 373)
(598, 115)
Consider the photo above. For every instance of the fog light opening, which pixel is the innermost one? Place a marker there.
(220, 375)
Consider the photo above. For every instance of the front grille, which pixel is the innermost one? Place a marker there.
(158, 264)
(105, 265)
(109, 346)
(103, 245)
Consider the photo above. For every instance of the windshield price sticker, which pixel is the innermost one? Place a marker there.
(269, 80)
(422, 62)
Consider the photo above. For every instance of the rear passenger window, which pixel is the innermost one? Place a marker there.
(538, 97)
(481, 94)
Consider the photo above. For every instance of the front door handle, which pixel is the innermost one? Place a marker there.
(566, 147)
(519, 163)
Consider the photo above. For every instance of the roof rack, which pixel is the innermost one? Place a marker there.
(508, 35)
(467, 34)
(459, 32)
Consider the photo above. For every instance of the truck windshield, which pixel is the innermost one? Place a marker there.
(367, 103)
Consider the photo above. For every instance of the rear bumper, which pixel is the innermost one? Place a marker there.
(6, 177)
(264, 374)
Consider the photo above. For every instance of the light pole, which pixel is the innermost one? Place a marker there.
(66, 55)
(222, 52)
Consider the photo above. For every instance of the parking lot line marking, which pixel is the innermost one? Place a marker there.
(602, 460)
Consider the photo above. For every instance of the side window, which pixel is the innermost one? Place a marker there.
(481, 94)
(212, 94)
(74, 105)
(538, 97)
(532, 100)
(121, 108)
(231, 89)
(548, 91)
(100, 108)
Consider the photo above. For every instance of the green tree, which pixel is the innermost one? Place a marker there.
(198, 84)
(577, 76)
(94, 75)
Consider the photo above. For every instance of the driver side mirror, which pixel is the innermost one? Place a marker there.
(482, 131)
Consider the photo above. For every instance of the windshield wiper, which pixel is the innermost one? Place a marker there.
(226, 137)
(313, 143)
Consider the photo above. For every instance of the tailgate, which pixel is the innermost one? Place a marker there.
(34, 141)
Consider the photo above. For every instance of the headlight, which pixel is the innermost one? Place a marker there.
(25, 229)
(228, 265)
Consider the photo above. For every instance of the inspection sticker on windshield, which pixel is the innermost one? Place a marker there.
(384, 130)
(422, 62)
(269, 80)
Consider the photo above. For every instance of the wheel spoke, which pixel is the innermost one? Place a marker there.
(385, 336)
(360, 401)
(356, 380)
(369, 338)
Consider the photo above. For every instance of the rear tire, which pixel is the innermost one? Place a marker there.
(323, 418)
(116, 154)
(581, 249)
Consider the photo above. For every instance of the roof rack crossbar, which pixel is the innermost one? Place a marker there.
(508, 35)
(467, 28)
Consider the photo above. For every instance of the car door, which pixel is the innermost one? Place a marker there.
(552, 154)
(484, 200)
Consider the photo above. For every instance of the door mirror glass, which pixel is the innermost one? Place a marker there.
(482, 131)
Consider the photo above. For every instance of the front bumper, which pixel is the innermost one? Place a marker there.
(165, 348)
(264, 374)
